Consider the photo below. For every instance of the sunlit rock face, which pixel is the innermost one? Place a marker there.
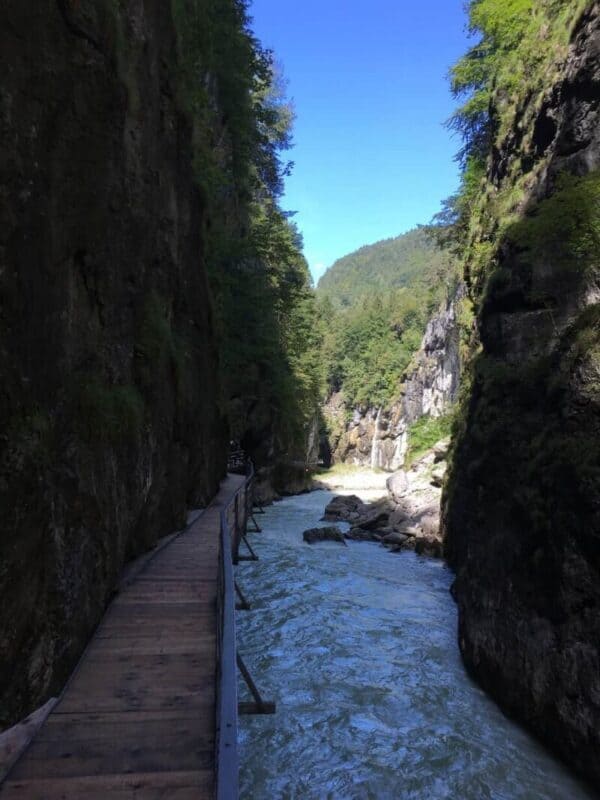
(522, 503)
(109, 427)
(379, 438)
(433, 385)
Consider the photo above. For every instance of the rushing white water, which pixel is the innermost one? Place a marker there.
(358, 649)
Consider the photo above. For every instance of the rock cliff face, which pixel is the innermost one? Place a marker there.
(522, 505)
(279, 471)
(378, 438)
(108, 412)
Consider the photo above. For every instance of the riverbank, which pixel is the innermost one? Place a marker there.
(399, 509)
(343, 479)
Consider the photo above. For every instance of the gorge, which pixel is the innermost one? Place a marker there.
(157, 310)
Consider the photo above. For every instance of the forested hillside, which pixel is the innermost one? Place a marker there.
(377, 268)
(523, 496)
(374, 305)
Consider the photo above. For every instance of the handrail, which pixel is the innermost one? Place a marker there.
(227, 699)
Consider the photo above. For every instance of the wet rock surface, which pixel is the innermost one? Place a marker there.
(328, 534)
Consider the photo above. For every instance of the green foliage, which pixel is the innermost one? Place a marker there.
(565, 227)
(424, 433)
(216, 58)
(369, 342)
(106, 413)
(389, 264)
(517, 43)
(263, 298)
(364, 353)
(234, 96)
(524, 419)
(270, 333)
(228, 87)
(502, 79)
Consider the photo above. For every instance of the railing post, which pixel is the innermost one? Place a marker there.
(227, 761)
(236, 533)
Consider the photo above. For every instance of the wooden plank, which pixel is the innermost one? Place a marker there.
(140, 682)
(157, 620)
(114, 717)
(147, 612)
(76, 749)
(167, 591)
(103, 666)
(121, 699)
(176, 572)
(179, 785)
(161, 629)
(173, 642)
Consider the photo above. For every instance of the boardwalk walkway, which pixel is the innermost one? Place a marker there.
(137, 719)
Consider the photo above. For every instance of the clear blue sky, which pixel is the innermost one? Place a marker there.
(368, 80)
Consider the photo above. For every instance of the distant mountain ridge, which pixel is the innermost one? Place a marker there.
(388, 264)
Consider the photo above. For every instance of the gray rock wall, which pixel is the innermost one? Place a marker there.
(522, 501)
(378, 438)
(109, 427)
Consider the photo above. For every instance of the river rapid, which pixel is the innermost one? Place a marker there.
(358, 649)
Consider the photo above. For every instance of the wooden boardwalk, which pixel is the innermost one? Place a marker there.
(137, 718)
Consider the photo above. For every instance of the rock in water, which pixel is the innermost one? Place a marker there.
(373, 520)
(410, 530)
(397, 485)
(361, 535)
(328, 534)
(395, 538)
(428, 546)
(342, 507)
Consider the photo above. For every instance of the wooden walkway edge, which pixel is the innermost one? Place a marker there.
(137, 718)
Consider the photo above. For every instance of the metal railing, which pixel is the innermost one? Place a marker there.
(227, 659)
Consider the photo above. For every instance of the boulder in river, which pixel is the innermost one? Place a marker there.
(343, 507)
(327, 534)
(409, 529)
(373, 520)
(361, 535)
(428, 546)
(398, 516)
(397, 485)
(395, 538)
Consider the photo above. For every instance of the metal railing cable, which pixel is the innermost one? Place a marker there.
(227, 697)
